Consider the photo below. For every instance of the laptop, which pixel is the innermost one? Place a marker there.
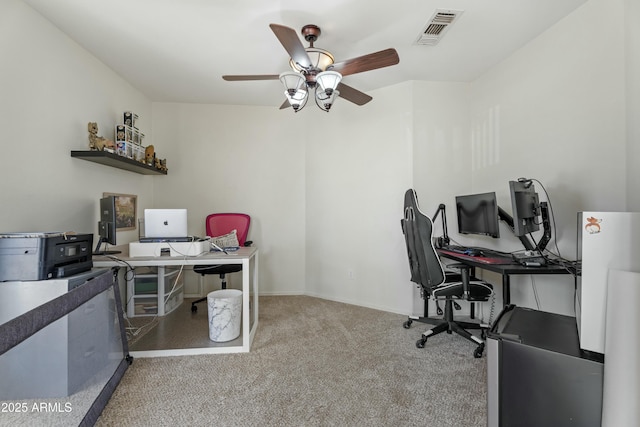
(165, 225)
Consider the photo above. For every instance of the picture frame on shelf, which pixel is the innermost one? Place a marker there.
(126, 211)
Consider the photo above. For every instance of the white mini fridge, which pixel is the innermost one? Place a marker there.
(606, 241)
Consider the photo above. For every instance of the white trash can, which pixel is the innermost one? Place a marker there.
(225, 314)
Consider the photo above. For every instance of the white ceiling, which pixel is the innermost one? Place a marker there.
(177, 50)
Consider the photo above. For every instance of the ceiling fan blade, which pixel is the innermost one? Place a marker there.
(251, 77)
(292, 44)
(353, 95)
(285, 104)
(369, 62)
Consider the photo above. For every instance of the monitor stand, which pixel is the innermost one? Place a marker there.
(526, 242)
(97, 251)
(107, 252)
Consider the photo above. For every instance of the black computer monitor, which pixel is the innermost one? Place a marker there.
(107, 225)
(525, 206)
(478, 214)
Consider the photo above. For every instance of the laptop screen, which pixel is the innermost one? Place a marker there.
(165, 222)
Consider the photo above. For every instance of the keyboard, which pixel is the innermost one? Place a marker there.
(169, 239)
(455, 248)
(484, 256)
(464, 250)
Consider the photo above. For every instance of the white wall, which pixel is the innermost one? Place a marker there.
(632, 56)
(239, 159)
(50, 88)
(556, 110)
(324, 190)
(441, 155)
(357, 169)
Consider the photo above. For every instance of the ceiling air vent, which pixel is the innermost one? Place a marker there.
(437, 26)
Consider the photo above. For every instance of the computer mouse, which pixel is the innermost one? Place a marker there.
(473, 252)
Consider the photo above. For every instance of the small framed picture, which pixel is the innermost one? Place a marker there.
(126, 210)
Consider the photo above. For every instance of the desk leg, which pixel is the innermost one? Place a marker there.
(506, 290)
(254, 286)
(129, 277)
(246, 274)
(160, 291)
(249, 300)
(472, 305)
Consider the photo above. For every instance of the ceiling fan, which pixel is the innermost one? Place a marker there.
(314, 72)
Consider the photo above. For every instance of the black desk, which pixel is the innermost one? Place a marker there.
(506, 270)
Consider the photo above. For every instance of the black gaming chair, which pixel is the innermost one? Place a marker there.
(428, 273)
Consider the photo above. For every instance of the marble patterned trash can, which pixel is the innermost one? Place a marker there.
(225, 314)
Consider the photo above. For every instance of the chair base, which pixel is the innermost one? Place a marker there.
(448, 325)
(194, 307)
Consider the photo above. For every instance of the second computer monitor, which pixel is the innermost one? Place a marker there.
(478, 214)
(525, 206)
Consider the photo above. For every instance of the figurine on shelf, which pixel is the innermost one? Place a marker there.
(97, 142)
(161, 164)
(149, 155)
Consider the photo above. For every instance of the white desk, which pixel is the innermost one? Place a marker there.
(248, 257)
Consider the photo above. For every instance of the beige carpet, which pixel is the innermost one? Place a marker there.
(313, 363)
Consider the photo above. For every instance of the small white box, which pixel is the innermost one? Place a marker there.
(124, 149)
(137, 249)
(138, 153)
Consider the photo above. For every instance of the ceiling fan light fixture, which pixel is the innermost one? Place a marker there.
(320, 60)
(328, 81)
(315, 73)
(324, 100)
(292, 81)
(298, 99)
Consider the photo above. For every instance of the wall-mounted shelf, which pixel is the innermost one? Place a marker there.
(116, 161)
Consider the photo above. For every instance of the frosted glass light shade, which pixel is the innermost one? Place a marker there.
(298, 100)
(292, 81)
(320, 59)
(328, 81)
(324, 101)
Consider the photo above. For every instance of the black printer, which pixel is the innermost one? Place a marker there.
(41, 256)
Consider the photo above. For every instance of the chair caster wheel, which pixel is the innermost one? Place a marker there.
(421, 342)
(478, 351)
(439, 311)
(407, 324)
(457, 306)
(194, 308)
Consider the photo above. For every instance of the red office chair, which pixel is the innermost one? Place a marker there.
(220, 224)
